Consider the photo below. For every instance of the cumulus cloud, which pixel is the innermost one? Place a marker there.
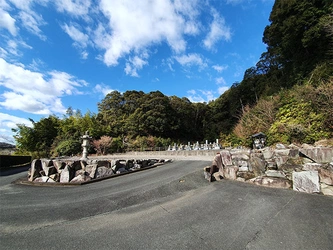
(220, 68)
(103, 89)
(34, 92)
(191, 60)
(134, 64)
(139, 24)
(7, 123)
(73, 7)
(200, 95)
(220, 80)
(7, 22)
(218, 31)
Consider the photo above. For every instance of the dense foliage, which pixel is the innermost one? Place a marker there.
(288, 95)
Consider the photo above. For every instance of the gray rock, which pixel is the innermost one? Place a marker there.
(245, 175)
(326, 175)
(36, 167)
(80, 178)
(326, 189)
(243, 168)
(207, 174)
(310, 166)
(306, 181)
(59, 164)
(48, 167)
(268, 153)
(218, 161)
(55, 177)
(230, 172)
(67, 174)
(280, 160)
(257, 165)
(271, 165)
(103, 172)
(121, 170)
(275, 173)
(91, 170)
(282, 152)
(104, 163)
(240, 179)
(44, 179)
(271, 182)
(217, 176)
(319, 154)
(226, 158)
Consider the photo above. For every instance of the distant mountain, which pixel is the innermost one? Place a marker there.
(6, 145)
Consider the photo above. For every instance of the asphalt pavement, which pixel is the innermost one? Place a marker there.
(168, 207)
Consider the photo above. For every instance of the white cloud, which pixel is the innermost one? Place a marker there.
(134, 25)
(220, 80)
(235, 2)
(218, 31)
(7, 123)
(134, 64)
(34, 92)
(7, 22)
(191, 60)
(27, 17)
(200, 95)
(80, 39)
(32, 21)
(221, 90)
(220, 68)
(84, 54)
(102, 88)
(10, 121)
(73, 7)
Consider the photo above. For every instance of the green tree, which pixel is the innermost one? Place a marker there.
(297, 37)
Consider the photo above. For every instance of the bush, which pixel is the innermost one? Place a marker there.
(68, 147)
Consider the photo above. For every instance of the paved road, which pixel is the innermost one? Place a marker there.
(168, 207)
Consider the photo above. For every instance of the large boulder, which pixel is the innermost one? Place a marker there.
(257, 165)
(230, 172)
(81, 178)
(275, 173)
(36, 168)
(318, 154)
(59, 165)
(226, 158)
(91, 170)
(306, 181)
(245, 175)
(326, 175)
(311, 166)
(103, 172)
(271, 182)
(326, 189)
(48, 167)
(44, 179)
(67, 174)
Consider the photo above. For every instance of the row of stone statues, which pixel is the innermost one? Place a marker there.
(196, 146)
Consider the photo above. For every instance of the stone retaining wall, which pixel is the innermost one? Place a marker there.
(80, 171)
(307, 170)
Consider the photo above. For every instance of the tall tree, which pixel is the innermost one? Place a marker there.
(297, 37)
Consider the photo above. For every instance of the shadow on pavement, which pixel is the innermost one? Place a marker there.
(14, 170)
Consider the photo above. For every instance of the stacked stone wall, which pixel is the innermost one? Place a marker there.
(307, 170)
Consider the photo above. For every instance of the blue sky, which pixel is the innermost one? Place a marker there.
(56, 54)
